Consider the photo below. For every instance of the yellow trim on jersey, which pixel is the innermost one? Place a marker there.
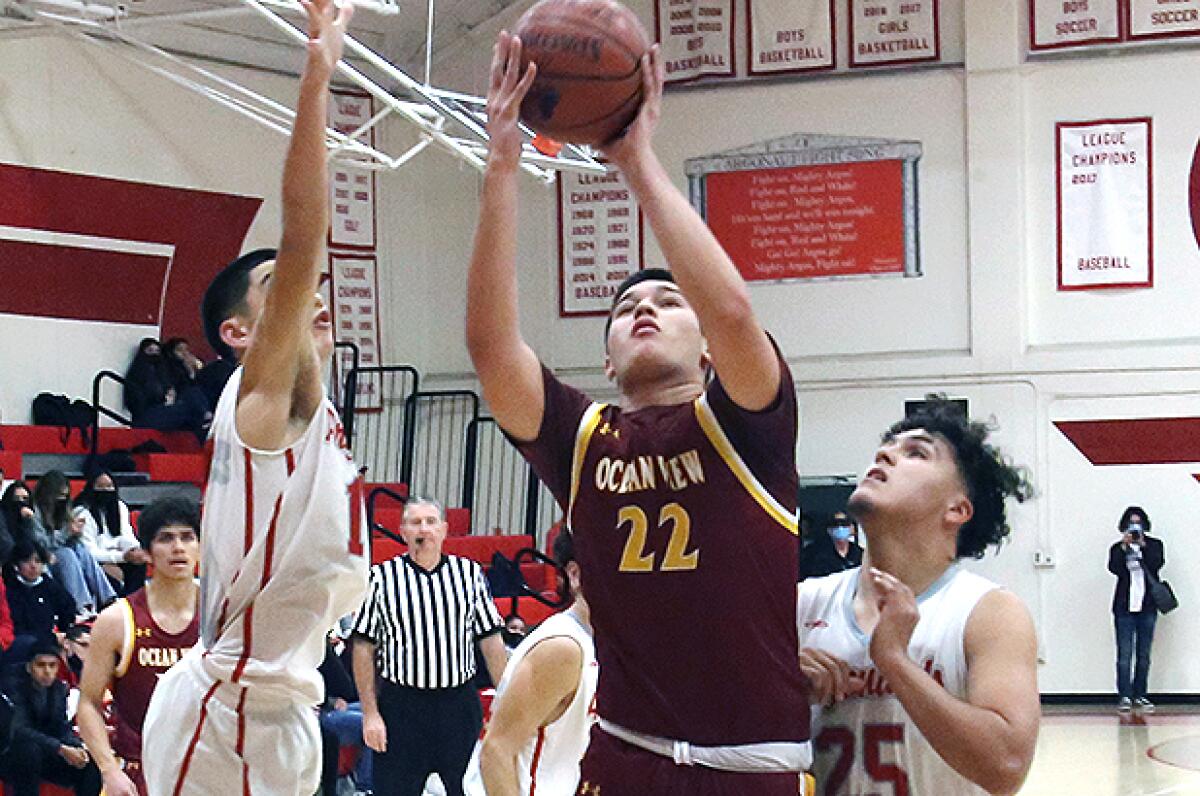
(128, 641)
(716, 435)
(587, 427)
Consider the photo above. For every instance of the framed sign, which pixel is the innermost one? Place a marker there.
(784, 38)
(1054, 24)
(600, 240)
(696, 38)
(354, 303)
(1162, 19)
(887, 32)
(352, 200)
(1105, 204)
(812, 207)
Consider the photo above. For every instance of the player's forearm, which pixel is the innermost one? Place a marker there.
(498, 765)
(978, 743)
(95, 736)
(492, 317)
(363, 662)
(305, 179)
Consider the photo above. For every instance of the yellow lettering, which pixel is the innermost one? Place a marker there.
(678, 482)
(693, 466)
(646, 464)
(676, 560)
(634, 558)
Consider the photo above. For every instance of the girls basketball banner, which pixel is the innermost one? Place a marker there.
(354, 303)
(696, 38)
(1105, 220)
(789, 37)
(600, 240)
(886, 32)
(1163, 19)
(1073, 23)
(352, 206)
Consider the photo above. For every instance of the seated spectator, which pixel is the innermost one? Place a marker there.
(20, 519)
(43, 747)
(341, 720)
(6, 625)
(70, 560)
(835, 550)
(182, 365)
(514, 631)
(211, 380)
(153, 400)
(39, 605)
(76, 642)
(109, 535)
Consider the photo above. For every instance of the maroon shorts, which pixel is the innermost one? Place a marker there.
(613, 767)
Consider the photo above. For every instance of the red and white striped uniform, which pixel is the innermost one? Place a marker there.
(283, 558)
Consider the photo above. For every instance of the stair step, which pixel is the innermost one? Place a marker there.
(141, 495)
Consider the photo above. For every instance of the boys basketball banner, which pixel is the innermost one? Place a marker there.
(1163, 19)
(789, 37)
(600, 240)
(696, 38)
(354, 303)
(886, 32)
(1072, 23)
(352, 222)
(1105, 218)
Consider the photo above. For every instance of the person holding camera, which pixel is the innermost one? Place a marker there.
(1136, 561)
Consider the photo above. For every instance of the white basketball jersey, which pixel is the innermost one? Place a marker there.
(284, 554)
(549, 764)
(867, 744)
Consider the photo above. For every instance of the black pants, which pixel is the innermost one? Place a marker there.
(26, 766)
(429, 731)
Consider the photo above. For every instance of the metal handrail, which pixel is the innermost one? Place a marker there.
(98, 409)
(407, 449)
(374, 526)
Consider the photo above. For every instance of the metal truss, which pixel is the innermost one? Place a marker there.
(449, 120)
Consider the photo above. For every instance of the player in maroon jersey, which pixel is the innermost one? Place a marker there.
(682, 496)
(138, 638)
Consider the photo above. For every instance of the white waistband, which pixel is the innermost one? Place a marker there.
(759, 758)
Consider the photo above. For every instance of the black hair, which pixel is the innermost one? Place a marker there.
(170, 510)
(106, 512)
(563, 549)
(1129, 512)
(636, 278)
(44, 645)
(25, 549)
(55, 513)
(10, 507)
(76, 632)
(987, 474)
(226, 296)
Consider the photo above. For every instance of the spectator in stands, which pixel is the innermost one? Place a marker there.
(44, 748)
(17, 507)
(109, 535)
(155, 402)
(211, 380)
(6, 627)
(835, 550)
(6, 540)
(341, 721)
(76, 642)
(182, 365)
(39, 605)
(71, 562)
(514, 631)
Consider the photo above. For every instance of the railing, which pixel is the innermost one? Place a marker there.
(500, 488)
(99, 409)
(375, 494)
(338, 387)
(434, 448)
(374, 412)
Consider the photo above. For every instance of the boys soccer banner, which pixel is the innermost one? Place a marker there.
(1105, 218)
(885, 32)
(1161, 19)
(696, 38)
(789, 37)
(600, 240)
(1072, 23)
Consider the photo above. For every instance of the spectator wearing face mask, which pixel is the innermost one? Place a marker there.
(20, 520)
(109, 535)
(71, 562)
(1135, 560)
(835, 550)
(155, 396)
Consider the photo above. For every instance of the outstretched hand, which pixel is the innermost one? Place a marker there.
(635, 140)
(898, 616)
(327, 23)
(506, 91)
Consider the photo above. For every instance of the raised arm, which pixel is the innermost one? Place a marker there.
(98, 669)
(741, 352)
(282, 380)
(507, 367)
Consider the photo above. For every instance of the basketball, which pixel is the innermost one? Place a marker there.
(589, 79)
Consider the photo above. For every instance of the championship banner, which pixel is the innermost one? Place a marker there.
(1105, 218)
(352, 190)
(600, 240)
(696, 38)
(354, 303)
(1163, 19)
(886, 32)
(789, 37)
(1072, 23)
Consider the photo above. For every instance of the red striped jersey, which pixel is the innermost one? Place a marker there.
(284, 553)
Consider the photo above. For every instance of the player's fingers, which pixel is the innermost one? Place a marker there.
(659, 70)
(512, 65)
(526, 81)
(837, 671)
(345, 13)
(497, 63)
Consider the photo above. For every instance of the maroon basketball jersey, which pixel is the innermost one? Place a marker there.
(147, 652)
(685, 530)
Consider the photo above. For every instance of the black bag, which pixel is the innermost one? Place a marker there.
(504, 577)
(1164, 596)
(59, 410)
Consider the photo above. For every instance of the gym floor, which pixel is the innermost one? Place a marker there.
(1093, 751)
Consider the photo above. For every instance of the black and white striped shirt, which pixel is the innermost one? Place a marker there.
(424, 623)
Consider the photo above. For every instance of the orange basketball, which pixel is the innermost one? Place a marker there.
(589, 81)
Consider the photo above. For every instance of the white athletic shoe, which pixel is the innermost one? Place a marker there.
(1124, 705)
(1143, 705)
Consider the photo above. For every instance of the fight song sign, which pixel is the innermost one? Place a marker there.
(600, 240)
(696, 38)
(783, 38)
(1105, 211)
(1073, 23)
(885, 32)
(1163, 19)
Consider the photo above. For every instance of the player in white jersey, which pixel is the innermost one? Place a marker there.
(283, 551)
(544, 710)
(928, 672)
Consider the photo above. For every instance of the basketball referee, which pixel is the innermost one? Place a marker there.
(414, 637)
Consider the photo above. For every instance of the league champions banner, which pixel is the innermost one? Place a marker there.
(1163, 19)
(1073, 23)
(1105, 204)
(600, 240)
(784, 38)
(887, 32)
(354, 303)
(696, 38)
